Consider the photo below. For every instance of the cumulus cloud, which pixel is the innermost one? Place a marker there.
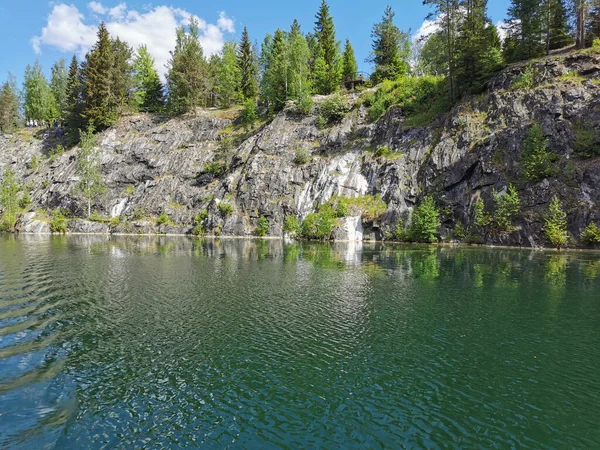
(427, 28)
(68, 29)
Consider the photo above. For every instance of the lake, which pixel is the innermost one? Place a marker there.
(165, 342)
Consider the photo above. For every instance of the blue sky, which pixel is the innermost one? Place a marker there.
(47, 31)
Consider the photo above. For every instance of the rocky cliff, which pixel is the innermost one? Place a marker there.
(187, 165)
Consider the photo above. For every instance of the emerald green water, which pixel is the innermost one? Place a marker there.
(179, 343)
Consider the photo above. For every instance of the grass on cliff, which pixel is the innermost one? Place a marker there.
(421, 99)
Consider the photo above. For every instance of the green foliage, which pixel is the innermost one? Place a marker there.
(326, 52)
(420, 98)
(58, 86)
(460, 231)
(25, 200)
(334, 108)
(73, 108)
(291, 225)
(302, 156)
(349, 65)
(59, 222)
(56, 152)
(38, 100)
(596, 45)
(97, 217)
(587, 140)
(226, 208)
(164, 219)
(246, 61)
(9, 190)
(188, 74)
(425, 221)
(305, 104)
(482, 219)
(89, 169)
(369, 207)
(525, 23)
(216, 168)
(148, 94)
(556, 224)
(129, 190)
(591, 234)
(506, 207)
(298, 71)
(401, 233)
(249, 114)
(433, 57)
(391, 49)
(537, 162)
(525, 80)
(229, 76)
(9, 105)
(262, 226)
(34, 164)
(319, 225)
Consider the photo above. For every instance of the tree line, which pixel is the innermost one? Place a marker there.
(289, 64)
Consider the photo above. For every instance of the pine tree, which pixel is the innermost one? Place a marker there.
(148, 87)
(525, 30)
(229, 76)
(187, 77)
(448, 10)
(328, 50)
(38, 101)
(299, 59)
(58, 85)
(478, 48)
(349, 66)
(73, 108)
(558, 30)
(581, 7)
(246, 60)
(391, 49)
(99, 106)
(9, 105)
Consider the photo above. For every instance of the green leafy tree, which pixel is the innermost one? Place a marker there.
(9, 105)
(391, 49)
(299, 62)
(266, 54)
(536, 160)
(276, 72)
(433, 56)
(58, 85)
(148, 94)
(229, 76)
(89, 169)
(249, 114)
(328, 49)
(187, 78)
(425, 222)
(246, 60)
(212, 80)
(9, 190)
(349, 66)
(556, 224)
(38, 101)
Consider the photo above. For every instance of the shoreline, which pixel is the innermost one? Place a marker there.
(283, 239)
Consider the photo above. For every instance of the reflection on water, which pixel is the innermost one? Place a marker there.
(162, 342)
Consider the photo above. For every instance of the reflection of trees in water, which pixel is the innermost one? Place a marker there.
(556, 271)
(592, 270)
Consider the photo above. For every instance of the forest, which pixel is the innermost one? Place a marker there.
(456, 60)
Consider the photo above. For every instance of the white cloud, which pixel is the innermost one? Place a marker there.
(97, 7)
(225, 23)
(427, 28)
(502, 28)
(69, 31)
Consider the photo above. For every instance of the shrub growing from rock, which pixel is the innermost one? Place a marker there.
(262, 226)
(425, 222)
(556, 224)
(591, 234)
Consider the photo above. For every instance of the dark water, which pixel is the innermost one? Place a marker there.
(177, 343)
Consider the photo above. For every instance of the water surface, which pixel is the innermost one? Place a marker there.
(123, 342)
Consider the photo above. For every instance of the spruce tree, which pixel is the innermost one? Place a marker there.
(187, 78)
(277, 70)
(148, 87)
(478, 48)
(328, 50)
(391, 49)
(266, 52)
(525, 30)
(229, 76)
(99, 106)
(593, 22)
(73, 108)
(122, 82)
(9, 105)
(212, 80)
(246, 60)
(433, 56)
(558, 29)
(349, 66)
(299, 59)
(58, 85)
